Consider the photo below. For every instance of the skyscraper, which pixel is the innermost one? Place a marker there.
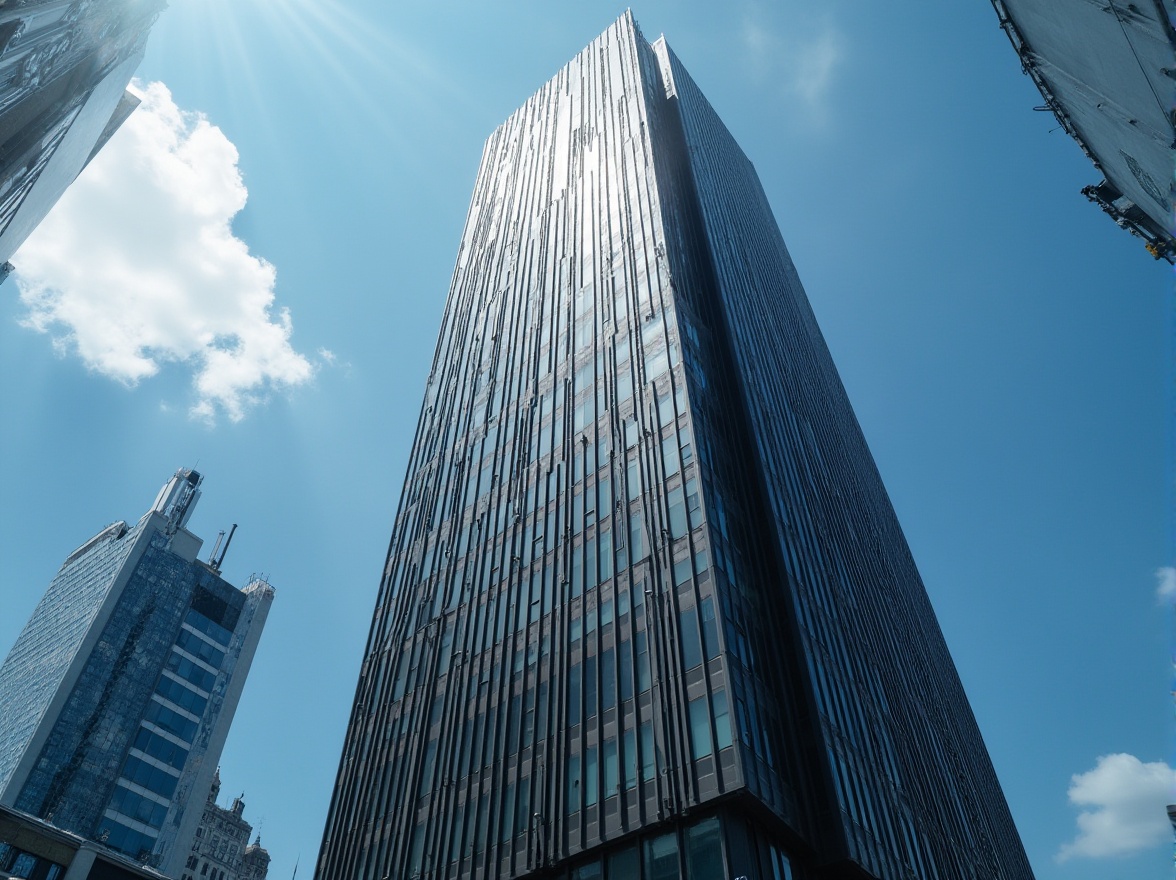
(117, 697)
(647, 611)
(64, 68)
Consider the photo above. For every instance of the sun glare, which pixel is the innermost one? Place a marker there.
(324, 45)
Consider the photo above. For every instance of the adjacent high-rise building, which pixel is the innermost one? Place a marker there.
(647, 611)
(1105, 71)
(117, 697)
(64, 69)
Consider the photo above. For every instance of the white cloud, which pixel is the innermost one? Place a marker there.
(802, 57)
(137, 266)
(815, 62)
(1166, 584)
(1124, 803)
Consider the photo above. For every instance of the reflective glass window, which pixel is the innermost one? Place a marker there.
(700, 730)
(704, 850)
(648, 758)
(611, 768)
(622, 865)
(629, 743)
(590, 871)
(710, 632)
(722, 718)
(573, 783)
(661, 858)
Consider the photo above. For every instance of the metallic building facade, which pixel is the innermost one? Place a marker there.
(647, 611)
(64, 68)
(117, 697)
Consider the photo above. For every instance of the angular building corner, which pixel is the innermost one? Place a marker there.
(64, 69)
(1106, 71)
(116, 699)
(647, 610)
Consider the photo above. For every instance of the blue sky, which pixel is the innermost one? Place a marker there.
(1006, 348)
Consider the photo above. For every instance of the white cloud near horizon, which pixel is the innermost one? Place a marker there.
(1166, 584)
(1123, 805)
(137, 266)
(803, 59)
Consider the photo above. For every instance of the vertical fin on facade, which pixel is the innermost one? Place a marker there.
(661, 50)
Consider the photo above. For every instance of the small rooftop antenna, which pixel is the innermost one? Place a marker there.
(215, 561)
(212, 556)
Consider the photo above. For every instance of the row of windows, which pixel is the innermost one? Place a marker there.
(695, 852)
(152, 778)
(181, 695)
(189, 671)
(215, 875)
(199, 648)
(599, 609)
(160, 748)
(614, 764)
(171, 721)
(135, 806)
(210, 628)
(478, 487)
(126, 840)
(595, 558)
(698, 855)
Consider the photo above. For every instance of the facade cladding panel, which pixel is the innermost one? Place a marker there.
(117, 696)
(647, 611)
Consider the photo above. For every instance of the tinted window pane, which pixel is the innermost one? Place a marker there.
(661, 858)
(704, 851)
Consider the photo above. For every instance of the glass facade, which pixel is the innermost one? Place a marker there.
(116, 698)
(647, 611)
(64, 68)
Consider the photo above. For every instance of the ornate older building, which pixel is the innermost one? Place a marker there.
(221, 849)
(647, 611)
(64, 68)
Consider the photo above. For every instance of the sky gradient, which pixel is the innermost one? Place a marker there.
(256, 293)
